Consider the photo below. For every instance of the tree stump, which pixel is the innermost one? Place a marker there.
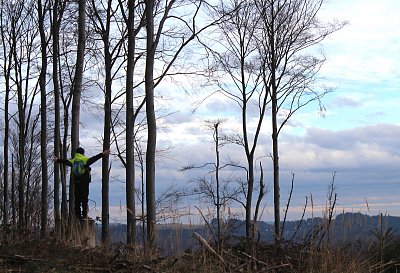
(88, 233)
(83, 233)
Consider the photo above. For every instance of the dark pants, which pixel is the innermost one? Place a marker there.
(81, 199)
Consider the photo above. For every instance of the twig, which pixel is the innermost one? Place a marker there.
(301, 220)
(205, 220)
(287, 205)
(332, 197)
(260, 194)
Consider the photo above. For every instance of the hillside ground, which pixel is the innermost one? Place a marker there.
(54, 256)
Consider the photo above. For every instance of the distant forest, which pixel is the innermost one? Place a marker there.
(346, 229)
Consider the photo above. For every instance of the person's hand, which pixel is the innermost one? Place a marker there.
(106, 152)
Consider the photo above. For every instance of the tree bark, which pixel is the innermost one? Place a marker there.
(275, 160)
(274, 120)
(13, 208)
(57, 119)
(63, 170)
(105, 211)
(21, 148)
(7, 58)
(5, 155)
(151, 125)
(130, 163)
(63, 144)
(43, 119)
(218, 201)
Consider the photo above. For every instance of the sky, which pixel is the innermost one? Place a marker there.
(356, 143)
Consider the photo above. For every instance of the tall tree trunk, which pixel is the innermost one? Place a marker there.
(275, 153)
(77, 89)
(13, 209)
(21, 156)
(275, 160)
(5, 155)
(130, 164)
(43, 120)
(105, 214)
(274, 120)
(63, 171)
(250, 164)
(55, 33)
(21, 129)
(217, 166)
(7, 59)
(31, 181)
(249, 197)
(151, 126)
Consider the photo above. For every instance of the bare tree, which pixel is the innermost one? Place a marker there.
(31, 175)
(58, 9)
(55, 32)
(151, 123)
(217, 179)
(130, 164)
(186, 28)
(42, 10)
(7, 50)
(237, 59)
(107, 18)
(77, 89)
(132, 29)
(211, 189)
(101, 25)
(66, 63)
(23, 34)
(216, 190)
(287, 30)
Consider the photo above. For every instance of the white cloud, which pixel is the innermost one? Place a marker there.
(366, 49)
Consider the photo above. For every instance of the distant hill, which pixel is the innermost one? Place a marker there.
(344, 228)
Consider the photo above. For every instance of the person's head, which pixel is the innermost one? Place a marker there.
(80, 150)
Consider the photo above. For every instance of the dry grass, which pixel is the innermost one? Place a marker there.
(381, 255)
(53, 256)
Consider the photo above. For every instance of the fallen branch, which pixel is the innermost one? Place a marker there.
(270, 268)
(149, 268)
(267, 267)
(253, 258)
(205, 244)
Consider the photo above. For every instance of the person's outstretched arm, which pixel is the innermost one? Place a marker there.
(62, 161)
(97, 157)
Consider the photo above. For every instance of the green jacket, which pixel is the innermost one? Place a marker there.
(86, 177)
(79, 157)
